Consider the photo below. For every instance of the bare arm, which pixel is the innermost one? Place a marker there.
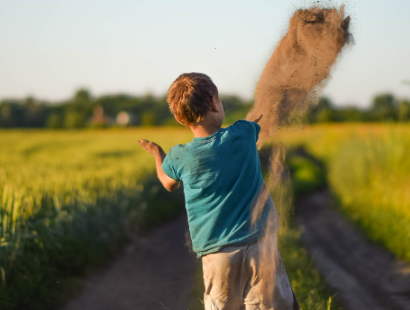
(159, 155)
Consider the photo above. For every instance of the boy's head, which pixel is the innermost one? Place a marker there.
(189, 97)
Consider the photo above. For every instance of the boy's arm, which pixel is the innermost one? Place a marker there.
(159, 155)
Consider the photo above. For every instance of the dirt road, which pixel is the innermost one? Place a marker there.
(155, 272)
(363, 275)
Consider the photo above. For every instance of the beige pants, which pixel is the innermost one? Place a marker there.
(250, 277)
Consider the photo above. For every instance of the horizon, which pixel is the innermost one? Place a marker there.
(157, 97)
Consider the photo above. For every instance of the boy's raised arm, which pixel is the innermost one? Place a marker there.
(159, 155)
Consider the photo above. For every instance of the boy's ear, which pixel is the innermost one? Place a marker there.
(213, 106)
(178, 120)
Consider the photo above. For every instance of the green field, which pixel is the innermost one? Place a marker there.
(67, 196)
(67, 201)
(368, 171)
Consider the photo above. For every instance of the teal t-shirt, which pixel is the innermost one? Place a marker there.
(221, 176)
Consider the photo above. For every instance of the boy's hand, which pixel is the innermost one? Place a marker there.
(258, 119)
(151, 147)
(159, 155)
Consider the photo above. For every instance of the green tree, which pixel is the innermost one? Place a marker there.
(11, 114)
(35, 114)
(78, 110)
(147, 119)
(323, 112)
(74, 120)
(235, 108)
(404, 111)
(384, 108)
(82, 95)
(54, 121)
(350, 114)
(6, 117)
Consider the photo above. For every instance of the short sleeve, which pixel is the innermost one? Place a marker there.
(248, 125)
(168, 167)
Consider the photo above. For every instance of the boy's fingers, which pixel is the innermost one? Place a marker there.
(258, 118)
(143, 143)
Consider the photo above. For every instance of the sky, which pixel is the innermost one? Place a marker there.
(49, 49)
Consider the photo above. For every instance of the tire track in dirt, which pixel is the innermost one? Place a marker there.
(155, 272)
(363, 275)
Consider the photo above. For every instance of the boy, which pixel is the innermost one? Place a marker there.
(231, 217)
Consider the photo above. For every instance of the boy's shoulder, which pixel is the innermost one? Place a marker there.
(247, 127)
(246, 123)
(242, 126)
(177, 149)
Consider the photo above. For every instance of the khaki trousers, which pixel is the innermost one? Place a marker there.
(250, 277)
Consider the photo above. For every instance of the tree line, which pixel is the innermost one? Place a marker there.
(83, 110)
(384, 108)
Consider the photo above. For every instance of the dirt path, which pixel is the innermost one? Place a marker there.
(363, 275)
(155, 272)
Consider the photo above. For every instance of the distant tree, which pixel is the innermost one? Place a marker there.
(159, 107)
(11, 114)
(404, 111)
(82, 95)
(78, 110)
(231, 102)
(6, 117)
(113, 104)
(74, 120)
(350, 114)
(384, 108)
(322, 112)
(235, 108)
(35, 113)
(54, 121)
(147, 119)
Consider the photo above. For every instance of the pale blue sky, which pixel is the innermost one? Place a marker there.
(49, 48)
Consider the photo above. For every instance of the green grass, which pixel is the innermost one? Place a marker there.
(371, 176)
(308, 174)
(368, 169)
(308, 285)
(68, 198)
(67, 202)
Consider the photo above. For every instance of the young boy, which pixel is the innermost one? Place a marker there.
(231, 217)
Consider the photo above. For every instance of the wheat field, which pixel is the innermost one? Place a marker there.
(368, 170)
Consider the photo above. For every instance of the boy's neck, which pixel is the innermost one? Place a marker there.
(204, 129)
(212, 121)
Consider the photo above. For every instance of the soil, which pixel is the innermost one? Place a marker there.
(363, 275)
(155, 272)
(298, 68)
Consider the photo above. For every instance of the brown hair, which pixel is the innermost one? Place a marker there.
(189, 97)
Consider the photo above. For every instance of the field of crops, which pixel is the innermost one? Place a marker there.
(67, 200)
(368, 169)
